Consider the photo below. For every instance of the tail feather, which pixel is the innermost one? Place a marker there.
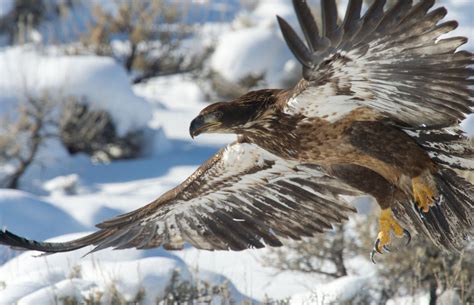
(458, 195)
(450, 222)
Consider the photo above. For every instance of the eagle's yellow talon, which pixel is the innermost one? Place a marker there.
(383, 238)
(423, 194)
(397, 229)
(387, 224)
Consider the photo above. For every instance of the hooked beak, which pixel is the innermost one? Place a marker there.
(202, 123)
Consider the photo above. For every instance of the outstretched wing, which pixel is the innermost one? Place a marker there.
(243, 197)
(392, 62)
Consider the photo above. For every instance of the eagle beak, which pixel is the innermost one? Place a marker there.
(202, 123)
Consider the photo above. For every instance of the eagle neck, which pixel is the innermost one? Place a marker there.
(276, 134)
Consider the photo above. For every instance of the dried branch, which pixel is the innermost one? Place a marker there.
(22, 138)
(324, 254)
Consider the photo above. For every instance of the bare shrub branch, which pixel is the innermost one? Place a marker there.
(324, 254)
(21, 138)
(152, 34)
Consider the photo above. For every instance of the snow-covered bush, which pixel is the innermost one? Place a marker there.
(84, 101)
(93, 132)
(176, 291)
(145, 36)
(419, 269)
(98, 81)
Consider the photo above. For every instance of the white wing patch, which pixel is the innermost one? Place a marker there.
(330, 107)
(242, 156)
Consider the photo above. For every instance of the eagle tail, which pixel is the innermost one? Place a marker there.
(449, 223)
(457, 199)
(14, 241)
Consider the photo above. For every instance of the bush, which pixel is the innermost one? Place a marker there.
(21, 136)
(180, 291)
(81, 130)
(177, 291)
(419, 268)
(151, 35)
(325, 254)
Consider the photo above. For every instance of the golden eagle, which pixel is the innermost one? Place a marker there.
(376, 112)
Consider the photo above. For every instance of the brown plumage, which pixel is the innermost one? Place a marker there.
(376, 112)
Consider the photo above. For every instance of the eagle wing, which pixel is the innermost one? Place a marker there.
(392, 62)
(242, 197)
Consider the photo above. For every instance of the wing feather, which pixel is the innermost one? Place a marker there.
(392, 61)
(296, 45)
(243, 197)
(308, 25)
(370, 20)
(351, 23)
(329, 16)
(393, 16)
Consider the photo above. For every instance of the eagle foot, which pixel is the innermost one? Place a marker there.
(424, 193)
(387, 224)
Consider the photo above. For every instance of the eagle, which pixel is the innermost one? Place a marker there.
(376, 112)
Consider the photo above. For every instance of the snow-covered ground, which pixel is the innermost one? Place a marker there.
(64, 196)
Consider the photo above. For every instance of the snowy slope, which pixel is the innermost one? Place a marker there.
(16, 205)
(42, 280)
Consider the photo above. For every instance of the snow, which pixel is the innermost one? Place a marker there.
(99, 81)
(468, 125)
(256, 50)
(252, 57)
(178, 99)
(72, 274)
(65, 196)
(19, 212)
(180, 89)
(266, 11)
(62, 184)
(410, 300)
(341, 290)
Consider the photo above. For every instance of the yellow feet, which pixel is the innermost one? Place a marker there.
(387, 225)
(424, 193)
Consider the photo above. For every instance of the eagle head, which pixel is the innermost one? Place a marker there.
(237, 116)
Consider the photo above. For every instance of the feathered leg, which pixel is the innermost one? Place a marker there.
(384, 193)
